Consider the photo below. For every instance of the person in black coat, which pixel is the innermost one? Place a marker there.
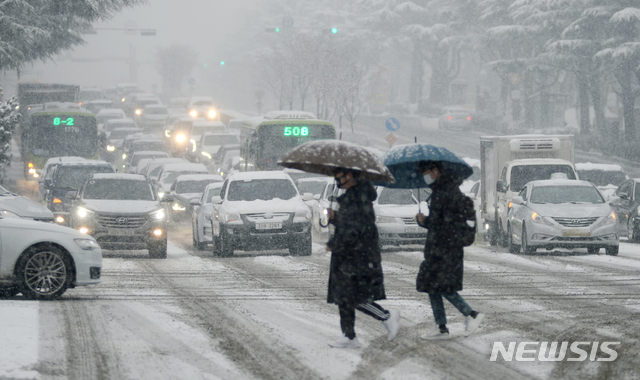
(355, 278)
(442, 270)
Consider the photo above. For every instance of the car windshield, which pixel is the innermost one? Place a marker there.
(149, 145)
(118, 189)
(192, 186)
(111, 126)
(171, 176)
(261, 189)
(220, 139)
(212, 193)
(396, 197)
(521, 174)
(144, 102)
(156, 111)
(313, 187)
(101, 119)
(565, 194)
(74, 176)
(603, 177)
(203, 103)
(119, 135)
(136, 158)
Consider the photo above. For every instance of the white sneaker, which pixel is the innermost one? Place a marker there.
(344, 342)
(471, 324)
(436, 334)
(392, 324)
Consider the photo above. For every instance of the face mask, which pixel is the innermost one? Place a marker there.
(428, 179)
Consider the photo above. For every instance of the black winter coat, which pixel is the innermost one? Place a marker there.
(356, 272)
(442, 268)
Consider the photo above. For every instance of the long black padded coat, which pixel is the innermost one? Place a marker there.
(442, 269)
(356, 272)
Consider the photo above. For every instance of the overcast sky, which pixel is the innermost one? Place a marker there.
(104, 60)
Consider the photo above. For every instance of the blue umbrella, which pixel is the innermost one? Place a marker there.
(402, 161)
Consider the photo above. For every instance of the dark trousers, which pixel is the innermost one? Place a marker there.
(348, 316)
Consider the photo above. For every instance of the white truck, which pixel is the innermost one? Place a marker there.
(508, 163)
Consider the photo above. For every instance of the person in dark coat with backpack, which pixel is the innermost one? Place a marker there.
(356, 279)
(441, 272)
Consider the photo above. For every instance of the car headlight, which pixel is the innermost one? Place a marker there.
(9, 214)
(207, 155)
(232, 217)
(177, 207)
(303, 213)
(158, 215)
(161, 194)
(124, 156)
(611, 219)
(138, 111)
(111, 148)
(212, 113)
(537, 218)
(167, 132)
(83, 212)
(87, 244)
(193, 113)
(181, 138)
(385, 219)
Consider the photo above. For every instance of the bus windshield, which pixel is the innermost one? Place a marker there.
(53, 135)
(274, 140)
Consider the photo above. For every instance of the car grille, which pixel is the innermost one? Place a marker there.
(411, 220)
(268, 216)
(122, 221)
(576, 222)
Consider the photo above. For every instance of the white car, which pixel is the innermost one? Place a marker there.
(22, 207)
(396, 211)
(261, 210)
(154, 115)
(203, 210)
(188, 187)
(171, 171)
(561, 213)
(42, 260)
(203, 106)
(210, 143)
(606, 177)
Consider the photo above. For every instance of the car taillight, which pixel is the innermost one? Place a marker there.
(449, 117)
(469, 118)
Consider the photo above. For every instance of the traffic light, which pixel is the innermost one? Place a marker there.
(272, 30)
(334, 30)
(221, 63)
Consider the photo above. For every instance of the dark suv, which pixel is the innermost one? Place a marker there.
(69, 176)
(122, 211)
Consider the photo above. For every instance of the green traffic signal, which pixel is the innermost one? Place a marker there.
(334, 30)
(221, 63)
(277, 30)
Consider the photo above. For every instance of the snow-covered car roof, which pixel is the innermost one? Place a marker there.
(85, 163)
(471, 161)
(150, 153)
(602, 167)
(199, 177)
(110, 111)
(206, 123)
(120, 121)
(133, 177)
(561, 182)
(536, 161)
(316, 179)
(53, 160)
(241, 176)
(183, 166)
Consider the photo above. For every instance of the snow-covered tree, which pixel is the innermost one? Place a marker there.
(175, 63)
(9, 118)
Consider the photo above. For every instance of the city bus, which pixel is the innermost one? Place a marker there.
(265, 139)
(57, 130)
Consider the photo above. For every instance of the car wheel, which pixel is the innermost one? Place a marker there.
(493, 234)
(300, 247)
(44, 272)
(502, 236)
(158, 249)
(513, 248)
(612, 251)
(632, 232)
(593, 250)
(215, 242)
(525, 242)
(226, 249)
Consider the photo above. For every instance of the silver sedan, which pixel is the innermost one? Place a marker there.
(561, 214)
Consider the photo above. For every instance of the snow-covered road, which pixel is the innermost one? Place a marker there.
(264, 316)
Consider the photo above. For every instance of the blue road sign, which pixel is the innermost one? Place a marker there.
(287, 22)
(392, 124)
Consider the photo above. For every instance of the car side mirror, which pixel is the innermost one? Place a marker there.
(195, 202)
(518, 200)
(316, 197)
(71, 195)
(167, 198)
(501, 186)
(623, 195)
(216, 200)
(307, 197)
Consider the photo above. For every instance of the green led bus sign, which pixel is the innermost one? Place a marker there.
(296, 131)
(59, 121)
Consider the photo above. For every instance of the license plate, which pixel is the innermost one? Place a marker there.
(413, 230)
(268, 226)
(567, 232)
(122, 232)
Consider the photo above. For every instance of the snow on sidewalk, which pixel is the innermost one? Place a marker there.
(19, 333)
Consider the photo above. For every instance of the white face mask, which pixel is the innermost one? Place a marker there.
(428, 179)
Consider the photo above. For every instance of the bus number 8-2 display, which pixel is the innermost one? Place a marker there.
(60, 121)
(296, 131)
